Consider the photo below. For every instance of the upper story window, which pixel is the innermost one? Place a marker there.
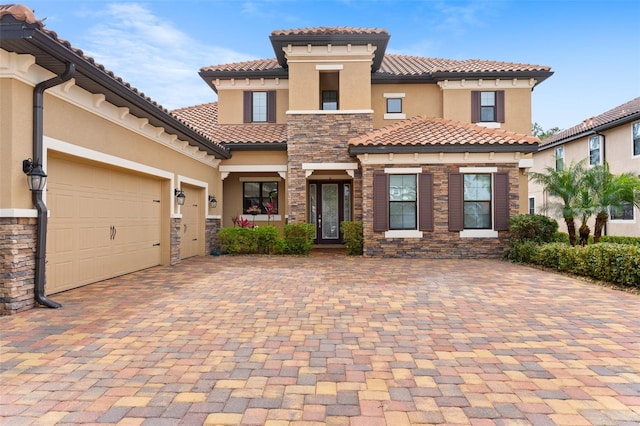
(403, 196)
(560, 158)
(394, 105)
(487, 107)
(636, 139)
(595, 150)
(532, 205)
(259, 107)
(329, 100)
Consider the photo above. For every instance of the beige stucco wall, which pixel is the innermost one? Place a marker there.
(419, 99)
(457, 106)
(256, 157)
(230, 104)
(16, 114)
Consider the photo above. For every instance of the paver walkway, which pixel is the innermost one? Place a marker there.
(326, 340)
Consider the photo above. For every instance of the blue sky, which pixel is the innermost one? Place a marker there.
(159, 46)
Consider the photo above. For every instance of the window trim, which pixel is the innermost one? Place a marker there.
(559, 158)
(414, 202)
(625, 221)
(499, 108)
(247, 106)
(633, 140)
(260, 182)
(599, 149)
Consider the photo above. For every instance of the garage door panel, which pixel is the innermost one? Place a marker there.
(100, 223)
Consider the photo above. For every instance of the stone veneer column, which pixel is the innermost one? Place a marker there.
(17, 264)
(176, 223)
(212, 227)
(320, 138)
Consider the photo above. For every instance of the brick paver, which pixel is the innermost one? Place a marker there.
(326, 340)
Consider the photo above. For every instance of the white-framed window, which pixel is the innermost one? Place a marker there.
(477, 201)
(636, 139)
(595, 150)
(403, 196)
(623, 213)
(488, 106)
(260, 197)
(560, 158)
(532, 205)
(394, 105)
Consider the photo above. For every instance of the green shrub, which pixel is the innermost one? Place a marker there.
(352, 237)
(561, 237)
(267, 239)
(238, 240)
(532, 227)
(522, 251)
(620, 240)
(298, 238)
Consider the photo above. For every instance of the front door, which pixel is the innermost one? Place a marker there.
(329, 205)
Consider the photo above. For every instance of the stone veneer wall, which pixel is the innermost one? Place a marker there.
(320, 138)
(17, 264)
(176, 223)
(440, 243)
(212, 244)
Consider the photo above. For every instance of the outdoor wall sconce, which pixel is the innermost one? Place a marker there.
(180, 197)
(212, 201)
(36, 177)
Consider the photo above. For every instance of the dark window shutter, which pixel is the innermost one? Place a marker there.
(500, 106)
(247, 107)
(425, 198)
(475, 106)
(380, 202)
(271, 106)
(501, 200)
(456, 218)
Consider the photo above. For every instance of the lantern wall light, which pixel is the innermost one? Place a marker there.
(212, 201)
(36, 177)
(180, 197)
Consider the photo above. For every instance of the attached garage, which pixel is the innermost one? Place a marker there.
(104, 222)
(192, 231)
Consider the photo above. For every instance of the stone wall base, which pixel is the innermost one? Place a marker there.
(17, 264)
(212, 244)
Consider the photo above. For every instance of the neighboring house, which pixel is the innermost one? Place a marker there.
(614, 137)
(114, 159)
(430, 154)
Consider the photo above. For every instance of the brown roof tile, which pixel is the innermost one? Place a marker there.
(204, 118)
(20, 12)
(329, 31)
(255, 65)
(620, 112)
(432, 132)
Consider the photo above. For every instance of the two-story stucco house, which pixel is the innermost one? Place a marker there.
(430, 154)
(614, 137)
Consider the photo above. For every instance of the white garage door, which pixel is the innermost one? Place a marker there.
(191, 238)
(103, 222)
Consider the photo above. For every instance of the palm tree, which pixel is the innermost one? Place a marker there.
(564, 185)
(610, 192)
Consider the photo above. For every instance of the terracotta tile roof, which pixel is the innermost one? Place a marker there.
(415, 65)
(436, 134)
(400, 65)
(20, 12)
(255, 65)
(205, 119)
(329, 31)
(628, 110)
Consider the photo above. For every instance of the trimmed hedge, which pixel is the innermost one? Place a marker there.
(563, 237)
(298, 239)
(352, 237)
(532, 227)
(611, 262)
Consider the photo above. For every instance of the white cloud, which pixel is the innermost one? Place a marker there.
(153, 55)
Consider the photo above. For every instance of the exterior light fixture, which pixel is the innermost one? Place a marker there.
(180, 197)
(212, 201)
(36, 177)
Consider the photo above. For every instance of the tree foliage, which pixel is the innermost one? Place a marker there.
(540, 133)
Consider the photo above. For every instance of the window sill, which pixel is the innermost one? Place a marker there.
(402, 233)
(478, 233)
(489, 124)
(395, 116)
(262, 217)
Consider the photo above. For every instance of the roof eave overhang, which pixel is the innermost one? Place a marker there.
(255, 146)
(210, 76)
(594, 130)
(410, 149)
(385, 78)
(380, 40)
(33, 41)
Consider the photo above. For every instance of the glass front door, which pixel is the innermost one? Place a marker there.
(329, 205)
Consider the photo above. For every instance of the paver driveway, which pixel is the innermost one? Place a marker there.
(327, 340)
